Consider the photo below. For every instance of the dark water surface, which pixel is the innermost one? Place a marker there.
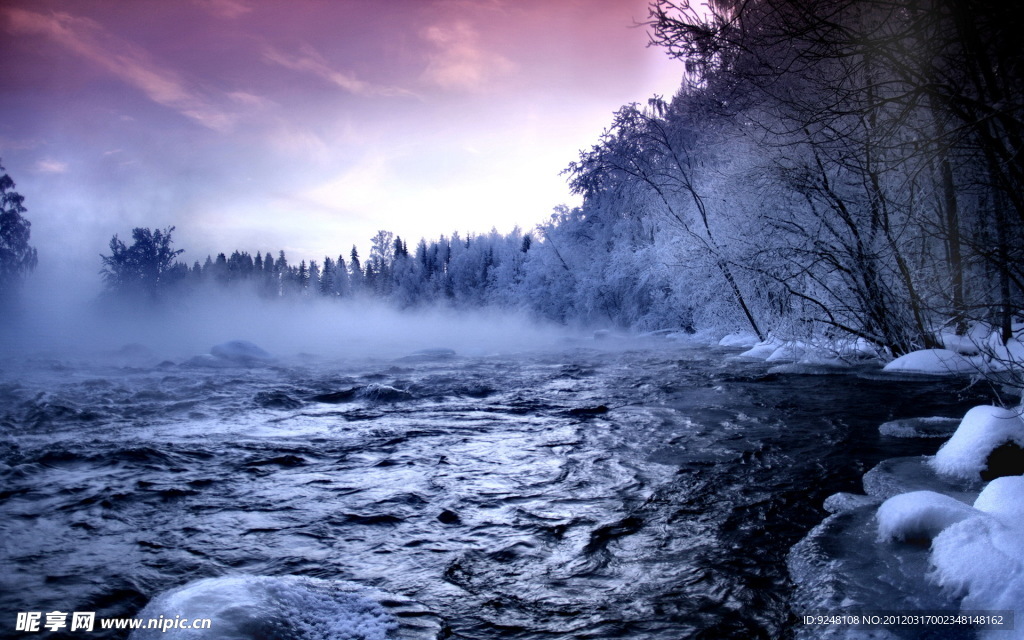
(649, 492)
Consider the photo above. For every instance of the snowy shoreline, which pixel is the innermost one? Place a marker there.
(942, 533)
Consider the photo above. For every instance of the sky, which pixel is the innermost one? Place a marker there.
(305, 125)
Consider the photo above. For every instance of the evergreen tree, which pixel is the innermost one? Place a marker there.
(313, 283)
(327, 278)
(17, 258)
(355, 270)
(145, 267)
(302, 276)
(341, 278)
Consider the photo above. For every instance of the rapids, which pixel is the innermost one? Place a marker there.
(647, 490)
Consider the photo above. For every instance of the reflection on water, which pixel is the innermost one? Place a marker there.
(651, 492)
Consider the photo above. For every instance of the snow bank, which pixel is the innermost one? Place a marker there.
(825, 354)
(977, 552)
(982, 558)
(1003, 357)
(788, 352)
(968, 344)
(775, 350)
(985, 343)
(975, 560)
(939, 362)
(919, 515)
(982, 430)
(250, 607)
(762, 350)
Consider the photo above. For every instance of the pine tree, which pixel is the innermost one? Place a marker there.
(17, 258)
(327, 278)
(355, 271)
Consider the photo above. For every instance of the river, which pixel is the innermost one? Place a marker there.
(629, 490)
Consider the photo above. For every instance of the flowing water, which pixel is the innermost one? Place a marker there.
(647, 491)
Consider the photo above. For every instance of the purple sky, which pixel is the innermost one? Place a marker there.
(305, 125)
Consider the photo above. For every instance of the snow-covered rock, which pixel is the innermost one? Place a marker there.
(919, 515)
(429, 355)
(936, 362)
(932, 427)
(240, 351)
(251, 607)
(842, 502)
(235, 353)
(983, 429)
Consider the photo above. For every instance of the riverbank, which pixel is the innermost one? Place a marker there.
(934, 546)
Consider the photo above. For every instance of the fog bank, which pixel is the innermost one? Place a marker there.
(84, 326)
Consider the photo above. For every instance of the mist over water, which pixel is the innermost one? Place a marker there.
(528, 485)
(86, 325)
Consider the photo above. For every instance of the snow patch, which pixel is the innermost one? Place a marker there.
(937, 362)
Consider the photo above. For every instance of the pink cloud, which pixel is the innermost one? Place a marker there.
(459, 60)
(89, 40)
(309, 61)
(51, 166)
